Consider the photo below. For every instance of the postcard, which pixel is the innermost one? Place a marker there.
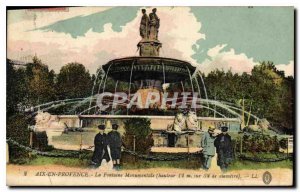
(150, 96)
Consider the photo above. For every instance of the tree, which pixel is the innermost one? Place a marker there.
(17, 129)
(39, 82)
(15, 88)
(267, 84)
(140, 129)
(73, 81)
(266, 89)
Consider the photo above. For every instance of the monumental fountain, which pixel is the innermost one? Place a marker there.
(148, 73)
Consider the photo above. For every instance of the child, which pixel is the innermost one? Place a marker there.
(115, 143)
(101, 151)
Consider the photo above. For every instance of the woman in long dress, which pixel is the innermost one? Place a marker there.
(101, 151)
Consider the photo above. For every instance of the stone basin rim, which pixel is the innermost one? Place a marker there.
(149, 57)
(175, 70)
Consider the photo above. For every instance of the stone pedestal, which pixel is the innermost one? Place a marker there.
(149, 48)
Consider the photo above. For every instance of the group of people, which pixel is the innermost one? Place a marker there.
(221, 143)
(211, 143)
(102, 141)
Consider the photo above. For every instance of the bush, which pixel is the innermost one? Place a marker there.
(260, 143)
(40, 141)
(17, 129)
(283, 143)
(140, 128)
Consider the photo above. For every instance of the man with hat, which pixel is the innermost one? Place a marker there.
(224, 149)
(207, 143)
(101, 151)
(115, 143)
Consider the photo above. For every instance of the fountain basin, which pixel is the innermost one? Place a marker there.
(159, 125)
(167, 70)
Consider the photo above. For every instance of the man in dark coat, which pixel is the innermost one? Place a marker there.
(101, 151)
(223, 145)
(115, 143)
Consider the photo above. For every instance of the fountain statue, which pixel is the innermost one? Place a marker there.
(149, 45)
(144, 26)
(153, 25)
(149, 72)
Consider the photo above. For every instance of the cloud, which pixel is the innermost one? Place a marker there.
(178, 32)
(287, 68)
(226, 60)
(237, 63)
(215, 50)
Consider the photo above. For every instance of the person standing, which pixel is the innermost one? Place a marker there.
(115, 143)
(223, 145)
(101, 151)
(207, 143)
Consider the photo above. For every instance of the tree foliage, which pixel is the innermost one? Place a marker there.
(140, 128)
(17, 129)
(39, 82)
(15, 88)
(260, 143)
(73, 81)
(266, 90)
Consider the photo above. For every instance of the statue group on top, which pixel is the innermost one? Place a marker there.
(149, 25)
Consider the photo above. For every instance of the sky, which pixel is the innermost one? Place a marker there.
(225, 38)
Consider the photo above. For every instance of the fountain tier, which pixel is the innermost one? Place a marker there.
(167, 70)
